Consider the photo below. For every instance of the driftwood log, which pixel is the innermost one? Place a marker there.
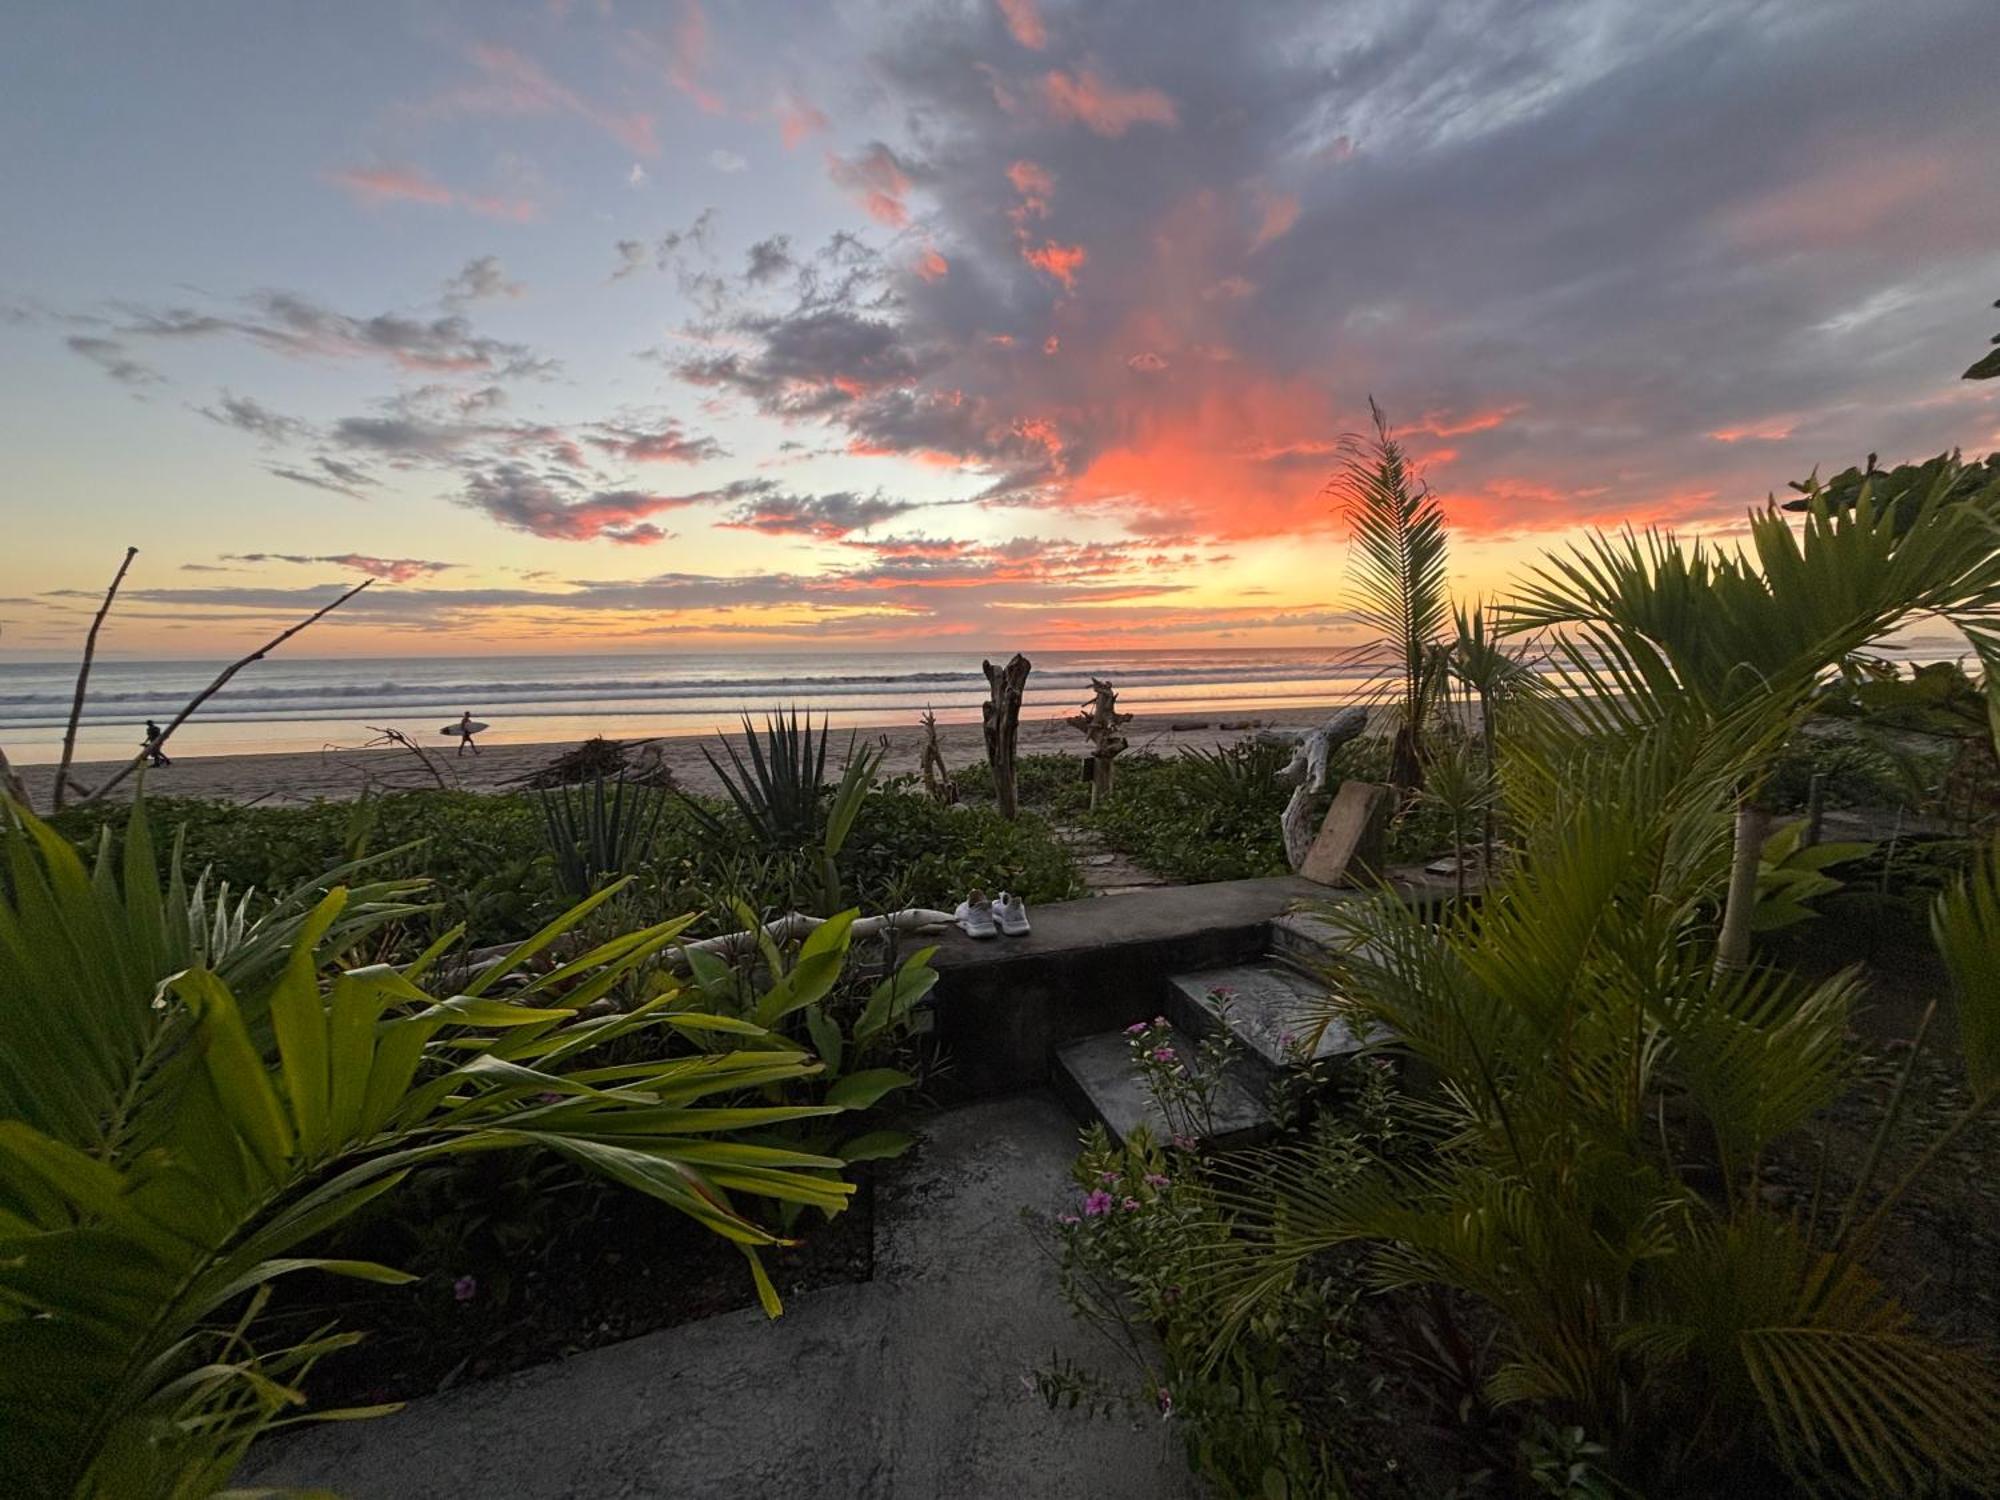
(1000, 717)
(1306, 772)
(938, 785)
(1101, 724)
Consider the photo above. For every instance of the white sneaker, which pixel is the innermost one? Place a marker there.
(1011, 912)
(975, 915)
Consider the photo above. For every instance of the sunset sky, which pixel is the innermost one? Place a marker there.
(605, 326)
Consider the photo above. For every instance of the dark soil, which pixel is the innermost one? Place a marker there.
(617, 1266)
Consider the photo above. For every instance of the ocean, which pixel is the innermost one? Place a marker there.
(304, 703)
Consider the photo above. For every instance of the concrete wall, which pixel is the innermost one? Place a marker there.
(1094, 965)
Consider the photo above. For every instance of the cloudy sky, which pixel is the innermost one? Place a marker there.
(720, 323)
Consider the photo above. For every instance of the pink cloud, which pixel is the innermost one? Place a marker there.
(1087, 99)
(687, 57)
(932, 266)
(392, 185)
(512, 84)
(1024, 21)
(798, 120)
(1771, 430)
(876, 180)
(1276, 214)
(379, 185)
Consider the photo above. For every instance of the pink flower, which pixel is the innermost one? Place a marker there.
(1163, 1054)
(465, 1288)
(1131, 1204)
(1156, 1179)
(1068, 1219)
(1137, 1028)
(1166, 1400)
(1160, 1021)
(1107, 1176)
(1097, 1204)
(1223, 992)
(1185, 1143)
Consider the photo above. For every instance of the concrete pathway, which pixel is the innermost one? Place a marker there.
(905, 1388)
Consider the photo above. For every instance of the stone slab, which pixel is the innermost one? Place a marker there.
(1267, 1003)
(1096, 1078)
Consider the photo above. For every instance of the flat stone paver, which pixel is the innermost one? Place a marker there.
(908, 1386)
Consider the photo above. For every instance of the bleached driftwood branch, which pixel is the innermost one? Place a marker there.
(216, 686)
(733, 944)
(1306, 772)
(83, 679)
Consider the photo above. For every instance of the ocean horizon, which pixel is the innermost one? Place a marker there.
(309, 703)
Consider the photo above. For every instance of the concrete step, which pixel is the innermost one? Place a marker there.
(1096, 1078)
(1310, 938)
(1271, 1008)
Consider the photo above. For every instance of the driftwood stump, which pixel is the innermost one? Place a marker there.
(1000, 717)
(1100, 722)
(937, 775)
(1305, 773)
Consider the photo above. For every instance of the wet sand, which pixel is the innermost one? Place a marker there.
(341, 774)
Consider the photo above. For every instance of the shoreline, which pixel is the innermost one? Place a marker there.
(289, 778)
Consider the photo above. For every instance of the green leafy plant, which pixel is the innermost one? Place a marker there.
(207, 1116)
(1791, 875)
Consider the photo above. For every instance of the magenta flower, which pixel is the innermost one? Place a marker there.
(1097, 1204)
(1163, 1054)
(1107, 1176)
(1156, 1179)
(1137, 1028)
(1185, 1143)
(1160, 1021)
(1131, 1204)
(465, 1288)
(1067, 1219)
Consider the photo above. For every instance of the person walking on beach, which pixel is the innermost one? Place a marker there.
(466, 730)
(155, 756)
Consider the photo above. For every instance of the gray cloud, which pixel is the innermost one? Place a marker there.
(480, 278)
(395, 569)
(556, 506)
(822, 516)
(246, 414)
(112, 358)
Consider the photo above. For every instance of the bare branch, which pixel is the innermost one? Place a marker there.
(63, 782)
(216, 686)
(11, 784)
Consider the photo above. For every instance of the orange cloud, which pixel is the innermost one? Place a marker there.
(1059, 261)
(1086, 99)
(1445, 424)
(1771, 430)
(1024, 21)
(932, 266)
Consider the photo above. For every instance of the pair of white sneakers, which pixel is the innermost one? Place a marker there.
(981, 918)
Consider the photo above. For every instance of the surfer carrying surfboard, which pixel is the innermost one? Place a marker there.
(467, 728)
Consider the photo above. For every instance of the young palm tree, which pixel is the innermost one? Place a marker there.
(1397, 572)
(1746, 639)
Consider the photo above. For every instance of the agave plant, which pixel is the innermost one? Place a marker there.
(174, 1136)
(784, 797)
(599, 831)
(1703, 1335)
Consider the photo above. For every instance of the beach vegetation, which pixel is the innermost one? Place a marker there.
(599, 830)
(212, 1097)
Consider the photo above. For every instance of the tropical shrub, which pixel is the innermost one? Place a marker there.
(189, 1105)
(1592, 1179)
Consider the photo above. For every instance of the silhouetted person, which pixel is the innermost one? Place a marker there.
(155, 756)
(465, 733)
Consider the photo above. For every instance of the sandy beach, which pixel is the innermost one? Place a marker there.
(340, 774)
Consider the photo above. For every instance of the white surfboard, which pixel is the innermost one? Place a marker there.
(453, 730)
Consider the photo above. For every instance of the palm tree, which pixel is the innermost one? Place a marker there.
(1746, 639)
(1397, 568)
